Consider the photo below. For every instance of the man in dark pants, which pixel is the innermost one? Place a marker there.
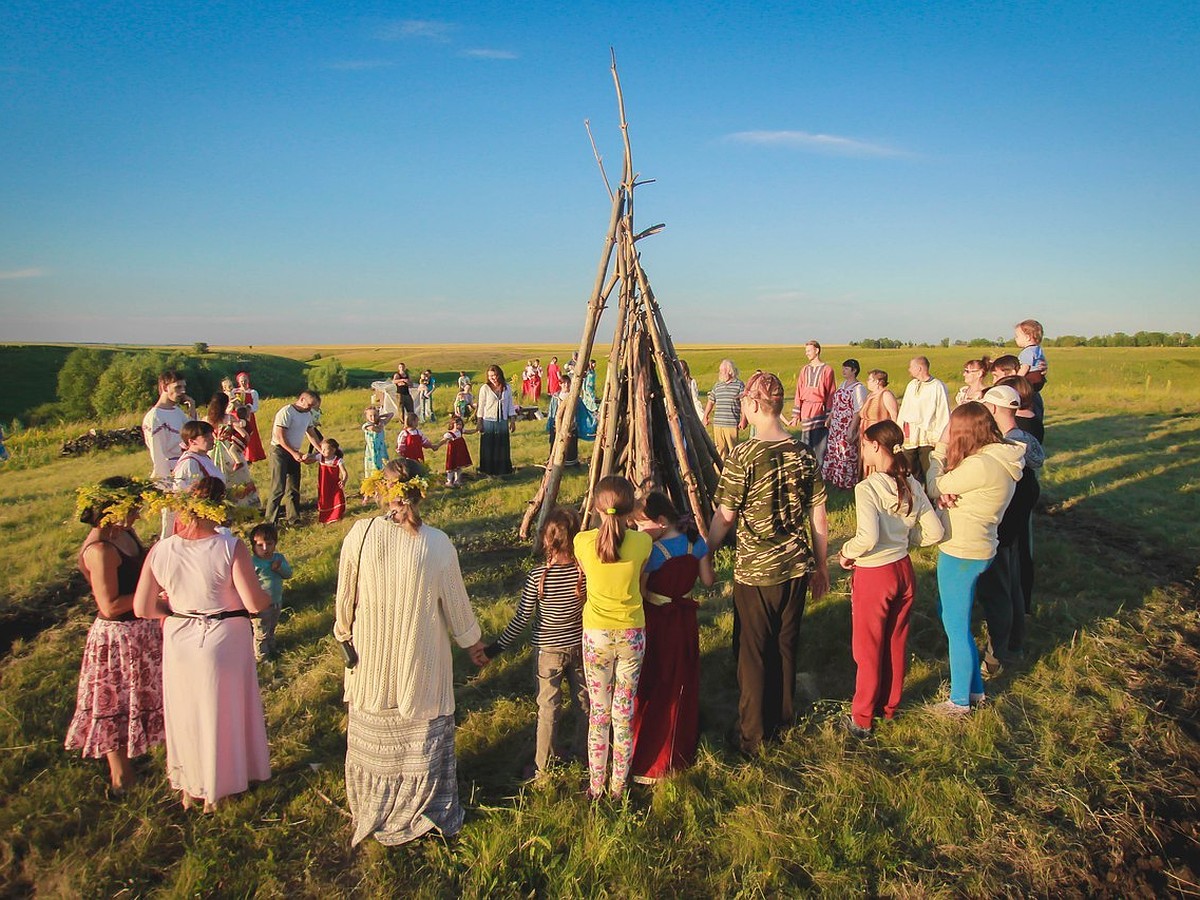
(292, 424)
(771, 490)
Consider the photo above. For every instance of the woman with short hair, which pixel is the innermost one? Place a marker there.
(880, 405)
(400, 597)
(840, 467)
(974, 373)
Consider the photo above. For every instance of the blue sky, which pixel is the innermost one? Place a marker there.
(315, 172)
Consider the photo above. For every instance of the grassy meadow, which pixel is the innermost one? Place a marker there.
(1078, 777)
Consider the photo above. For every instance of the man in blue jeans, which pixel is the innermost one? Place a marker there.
(292, 424)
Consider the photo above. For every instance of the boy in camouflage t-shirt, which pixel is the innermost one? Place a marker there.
(770, 488)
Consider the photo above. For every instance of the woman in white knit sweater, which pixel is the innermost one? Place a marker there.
(400, 598)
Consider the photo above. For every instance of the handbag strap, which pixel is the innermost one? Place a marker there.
(358, 573)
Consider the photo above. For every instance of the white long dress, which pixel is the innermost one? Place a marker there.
(213, 712)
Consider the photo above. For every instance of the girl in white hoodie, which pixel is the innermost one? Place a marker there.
(890, 506)
(972, 475)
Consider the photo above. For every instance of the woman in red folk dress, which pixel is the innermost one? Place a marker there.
(666, 716)
(248, 397)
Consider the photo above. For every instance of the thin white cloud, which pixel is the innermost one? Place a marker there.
(13, 274)
(831, 144)
(483, 53)
(416, 29)
(359, 65)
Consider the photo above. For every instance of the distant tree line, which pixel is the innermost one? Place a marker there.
(95, 383)
(1118, 339)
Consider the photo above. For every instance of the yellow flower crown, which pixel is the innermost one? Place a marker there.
(117, 503)
(187, 506)
(149, 497)
(376, 486)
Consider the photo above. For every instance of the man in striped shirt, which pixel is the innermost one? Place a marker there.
(724, 409)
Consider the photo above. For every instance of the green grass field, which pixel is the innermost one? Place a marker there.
(1080, 778)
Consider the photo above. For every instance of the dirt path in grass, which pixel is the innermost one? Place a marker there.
(25, 619)
(1153, 848)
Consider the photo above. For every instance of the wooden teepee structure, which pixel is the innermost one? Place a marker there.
(648, 426)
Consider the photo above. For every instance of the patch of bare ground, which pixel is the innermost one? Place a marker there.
(1151, 847)
(28, 617)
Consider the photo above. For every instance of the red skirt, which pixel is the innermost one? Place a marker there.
(457, 454)
(254, 447)
(331, 498)
(666, 714)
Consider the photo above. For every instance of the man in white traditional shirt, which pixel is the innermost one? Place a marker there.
(160, 431)
(924, 414)
(161, 425)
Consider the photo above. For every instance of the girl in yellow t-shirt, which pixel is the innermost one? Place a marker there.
(613, 559)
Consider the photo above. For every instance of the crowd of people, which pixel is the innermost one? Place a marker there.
(611, 606)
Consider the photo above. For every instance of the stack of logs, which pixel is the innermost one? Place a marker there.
(103, 440)
(649, 427)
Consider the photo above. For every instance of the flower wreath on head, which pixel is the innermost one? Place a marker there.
(188, 506)
(376, 486)
(118, 502)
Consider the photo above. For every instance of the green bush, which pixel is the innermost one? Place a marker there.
(328, 375)
(77, 381)
(130, 383)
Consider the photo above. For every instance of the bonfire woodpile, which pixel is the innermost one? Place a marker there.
(103, 440)
(648, 426)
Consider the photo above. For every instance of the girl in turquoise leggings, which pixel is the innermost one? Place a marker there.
(973, 473)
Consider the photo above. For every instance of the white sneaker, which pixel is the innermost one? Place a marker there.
(949, 709)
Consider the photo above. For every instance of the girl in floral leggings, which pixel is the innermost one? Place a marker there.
(613, 559)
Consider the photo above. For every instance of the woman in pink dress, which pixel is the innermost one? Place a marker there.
(840, 466)
(248, 397)
(216, 732)
(118, 706)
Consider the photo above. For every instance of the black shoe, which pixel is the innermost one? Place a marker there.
(855, 730)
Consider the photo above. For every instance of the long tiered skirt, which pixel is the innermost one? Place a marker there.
(401, 777)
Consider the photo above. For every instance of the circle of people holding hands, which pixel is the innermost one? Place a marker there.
(171, 655)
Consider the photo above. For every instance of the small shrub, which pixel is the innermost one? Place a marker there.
(328, 375)
(199, 347)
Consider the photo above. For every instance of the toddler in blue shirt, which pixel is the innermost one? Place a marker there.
(271, 568)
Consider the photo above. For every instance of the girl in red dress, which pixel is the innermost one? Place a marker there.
(411, 442)
(666, 716)
(458, 457)
(331, 483)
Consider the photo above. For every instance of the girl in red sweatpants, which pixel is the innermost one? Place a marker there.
(889, 504)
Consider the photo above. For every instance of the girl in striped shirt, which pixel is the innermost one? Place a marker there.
(553, 597)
